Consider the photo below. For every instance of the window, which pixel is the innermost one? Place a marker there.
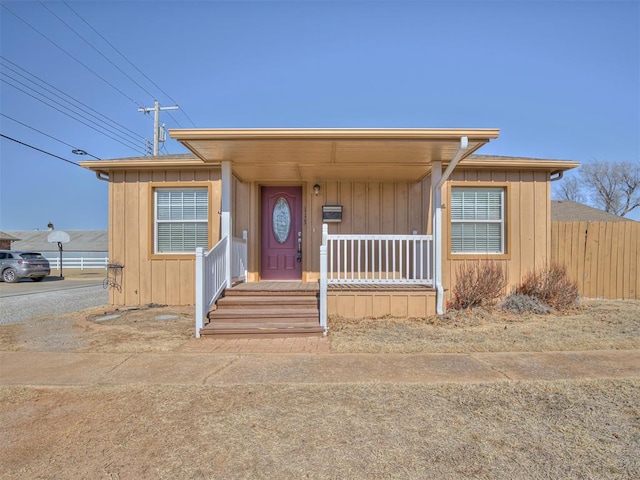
(477, 220)
(181, 219)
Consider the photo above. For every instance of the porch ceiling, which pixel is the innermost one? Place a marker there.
(330, 154)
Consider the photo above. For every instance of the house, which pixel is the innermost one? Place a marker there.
(373, 221)
(6, 240)
(83, 243)
(570, 211)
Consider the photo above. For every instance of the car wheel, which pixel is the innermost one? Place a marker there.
(37, 279)
(10, 275)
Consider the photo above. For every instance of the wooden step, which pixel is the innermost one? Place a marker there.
(232, 292)
(262, 302)
(262, 330)
(266, 315)
(274, 309)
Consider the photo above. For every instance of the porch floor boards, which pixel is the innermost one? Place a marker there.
(375, 287)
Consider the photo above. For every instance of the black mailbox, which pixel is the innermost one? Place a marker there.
(331, 213)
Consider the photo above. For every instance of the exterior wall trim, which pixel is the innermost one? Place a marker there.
(151, 216)
(507, 228)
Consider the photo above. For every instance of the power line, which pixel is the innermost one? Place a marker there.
(121, 127)
(50, 136)
(128, 61)
(121, 140)
(95, 49)
(174, 119)
(40, 150)
(67, 53)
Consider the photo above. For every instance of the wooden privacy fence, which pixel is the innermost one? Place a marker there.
(602, 257)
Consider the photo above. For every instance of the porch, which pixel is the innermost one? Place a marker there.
(360, 276)
(277, 185)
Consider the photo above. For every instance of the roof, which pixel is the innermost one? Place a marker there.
(81, 241)
(569, 211)
(329, 154)
(518, 163)
(6, 236)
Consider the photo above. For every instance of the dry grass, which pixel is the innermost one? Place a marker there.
(502, 430)
(569, 430)
(597, 325)
(135, 331)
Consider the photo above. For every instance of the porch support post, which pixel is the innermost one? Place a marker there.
(323, 278)
(436, 191)
(437, 181)
(226, 222)
(200, 303)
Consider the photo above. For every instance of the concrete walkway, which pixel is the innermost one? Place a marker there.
(84, 369)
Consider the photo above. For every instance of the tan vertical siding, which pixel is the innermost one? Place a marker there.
(528, 231)
(149, 279)
(368, 208)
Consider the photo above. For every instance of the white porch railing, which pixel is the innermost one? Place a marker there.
(211, 279)
(373, 260)
(239, 259)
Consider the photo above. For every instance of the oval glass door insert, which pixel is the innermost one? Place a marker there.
(281, 220)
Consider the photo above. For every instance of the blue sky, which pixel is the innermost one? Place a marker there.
(560, 79)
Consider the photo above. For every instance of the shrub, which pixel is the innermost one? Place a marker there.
(478, 284)
(551, 286)
(519, 303)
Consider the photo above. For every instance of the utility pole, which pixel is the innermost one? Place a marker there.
(156, 122)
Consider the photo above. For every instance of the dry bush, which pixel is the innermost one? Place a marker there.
(551, 286)
(478, 284)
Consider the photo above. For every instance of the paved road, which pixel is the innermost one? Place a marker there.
(53, 296)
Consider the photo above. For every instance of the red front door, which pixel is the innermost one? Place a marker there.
(281, 252)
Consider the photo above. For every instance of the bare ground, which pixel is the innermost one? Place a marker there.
(569, 430)
(596, 325)
(505, 430)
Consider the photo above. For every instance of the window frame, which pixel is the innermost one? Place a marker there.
(153, 230)
(506, 224)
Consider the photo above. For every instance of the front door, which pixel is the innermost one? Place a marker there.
(281, 251)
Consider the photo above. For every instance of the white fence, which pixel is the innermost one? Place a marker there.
(78, 263)
(373, 260)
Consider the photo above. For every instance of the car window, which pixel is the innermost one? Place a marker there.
(31, 256)
(3, 255)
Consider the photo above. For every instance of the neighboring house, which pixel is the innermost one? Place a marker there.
(82, 244)
(6, 240)
(403, 208)
(570, 211)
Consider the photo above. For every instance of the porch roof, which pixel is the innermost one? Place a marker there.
(330, 154)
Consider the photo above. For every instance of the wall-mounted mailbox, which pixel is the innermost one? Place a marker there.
(331, 213)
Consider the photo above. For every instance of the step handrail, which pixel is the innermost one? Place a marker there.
(211, 279)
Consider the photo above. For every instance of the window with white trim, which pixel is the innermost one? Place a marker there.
(181, 219)
(477, 220)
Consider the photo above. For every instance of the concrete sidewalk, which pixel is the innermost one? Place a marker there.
(84, 369)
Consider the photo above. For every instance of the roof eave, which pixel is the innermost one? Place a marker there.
(476, 134)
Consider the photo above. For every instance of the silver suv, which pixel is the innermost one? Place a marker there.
(15, 265)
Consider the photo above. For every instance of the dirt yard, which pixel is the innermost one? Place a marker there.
(507, 430)
(597, 325)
